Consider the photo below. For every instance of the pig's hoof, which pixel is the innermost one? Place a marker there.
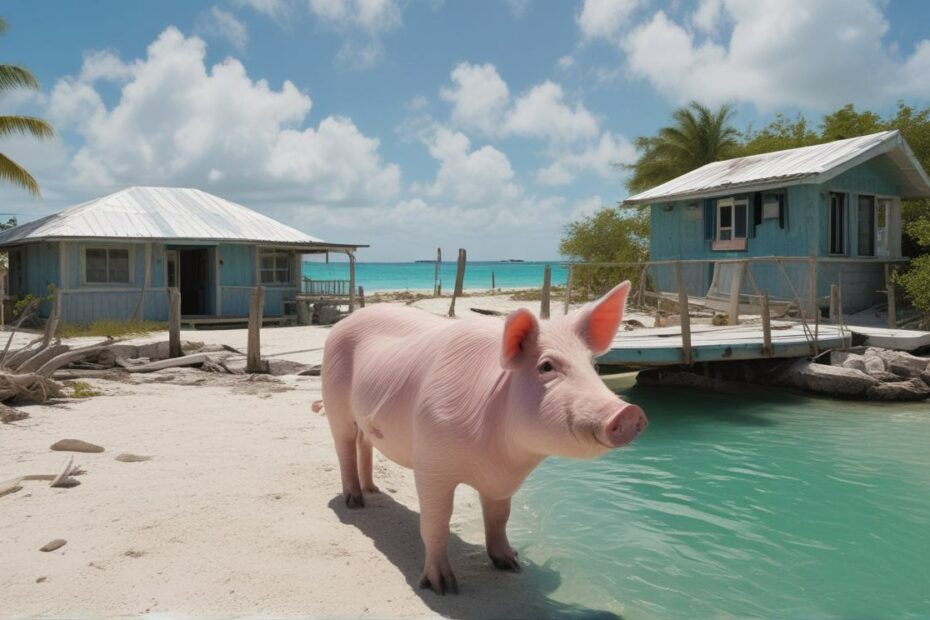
(355, 501)
(440, 581)
(506, 562)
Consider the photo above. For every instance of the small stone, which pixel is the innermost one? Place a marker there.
(58, 543)
(41, 579)
(75, 445)
(128, 457)
(132, 553)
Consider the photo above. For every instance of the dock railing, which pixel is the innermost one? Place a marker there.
(796, 288)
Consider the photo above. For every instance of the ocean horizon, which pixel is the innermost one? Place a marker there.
(419, 276)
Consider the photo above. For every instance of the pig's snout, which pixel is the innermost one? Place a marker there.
(625, 425)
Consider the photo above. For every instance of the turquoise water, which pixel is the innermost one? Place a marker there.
(419, 276)
(776, 506)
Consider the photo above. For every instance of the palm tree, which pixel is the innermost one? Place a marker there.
(12, 77)
(699, 136)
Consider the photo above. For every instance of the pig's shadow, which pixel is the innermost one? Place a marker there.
(485, 592)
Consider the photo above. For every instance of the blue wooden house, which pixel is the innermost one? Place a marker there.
(831, 211)
(115, 257)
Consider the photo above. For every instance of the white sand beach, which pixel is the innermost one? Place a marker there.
(237, 512)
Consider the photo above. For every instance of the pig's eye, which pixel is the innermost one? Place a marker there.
(545, 367)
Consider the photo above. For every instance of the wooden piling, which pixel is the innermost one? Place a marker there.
(641, 292)
(437, 283)
(174, 323)
(889, 289)
(493, 284)
(54, 318)
(811, 288)
(736, 286)
(361, 297)
(834, 304)
(459, 280)
(568, 289)
(683, 313)
(546, 292)
(254, 351)
(766, 326)
(351, 284)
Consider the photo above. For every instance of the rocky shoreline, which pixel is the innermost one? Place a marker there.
(868, 373)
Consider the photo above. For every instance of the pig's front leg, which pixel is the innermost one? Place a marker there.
(496, 513)
(436, 500)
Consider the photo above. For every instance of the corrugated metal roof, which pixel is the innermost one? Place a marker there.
(159, 213)
(809, 164)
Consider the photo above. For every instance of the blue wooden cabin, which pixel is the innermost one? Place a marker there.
(115, 257)
(837, 203)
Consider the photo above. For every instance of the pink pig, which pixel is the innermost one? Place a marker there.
(471, 402)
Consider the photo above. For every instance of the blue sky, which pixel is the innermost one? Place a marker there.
(412, 124)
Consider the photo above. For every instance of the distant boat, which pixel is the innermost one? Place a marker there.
(425, 261)
(513, 260)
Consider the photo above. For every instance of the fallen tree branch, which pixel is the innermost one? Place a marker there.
(27, 312)
(71, 356)
(42, 356)
(30, 386)
(187, 360)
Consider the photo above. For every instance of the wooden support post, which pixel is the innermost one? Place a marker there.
(889, 289)
(736, 285)
(361, 296)
(139, 314)
(812, 310)
(351, 282)
(493, 284)
(54, 318)
(568, 289)
(766, 326)
(437, 283)
(546, 292)
(174, 322)
(834, 304)
(641, 292)
(254, 351)
(685, 316)
(459, 280)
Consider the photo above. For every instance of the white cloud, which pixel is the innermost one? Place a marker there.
(223, 25)
(417, 103)
(518, 8)
(601, 157)
(275, 9)
(542, 113)
(481, 100)
(479, 97)
(586, 207)
(565, 62)
(604, 18)
(103, 65)
(178, 122)
(372, 16)
(779, 52)
(469, 177)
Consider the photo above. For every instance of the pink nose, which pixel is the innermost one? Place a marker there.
(625, 425)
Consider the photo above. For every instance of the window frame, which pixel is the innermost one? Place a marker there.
(886, 226)
(276, 253)
(734, 242)
(872, 221)
(130, 264)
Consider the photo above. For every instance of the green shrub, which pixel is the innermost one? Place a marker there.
(114, 329)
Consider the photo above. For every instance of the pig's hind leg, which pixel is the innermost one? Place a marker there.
(496, 513)
(365, 473)
(345, 433)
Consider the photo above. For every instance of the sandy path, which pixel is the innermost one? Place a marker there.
(236, 514)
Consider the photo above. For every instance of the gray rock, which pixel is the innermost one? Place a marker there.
(823, 379)
(900, 363)
(874, 365)
(75, 445)
(912, 389)
(127, 457)
(58, 543)
(852, 361)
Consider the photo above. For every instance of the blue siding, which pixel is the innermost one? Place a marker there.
(679, 232)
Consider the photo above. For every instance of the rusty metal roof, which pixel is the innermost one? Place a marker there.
(809, 164)
(168, 213)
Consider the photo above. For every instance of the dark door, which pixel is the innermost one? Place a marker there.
(193, 275)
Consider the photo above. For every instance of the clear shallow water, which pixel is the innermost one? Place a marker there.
(419, 276)
(775, 507)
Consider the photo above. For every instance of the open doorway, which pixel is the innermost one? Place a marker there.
(192, 275)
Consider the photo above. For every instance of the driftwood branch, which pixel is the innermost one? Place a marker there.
(64, 359)
(27, 312)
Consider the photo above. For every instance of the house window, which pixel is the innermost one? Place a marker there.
(732, 224)
(106, 266)
(866, 226)
(882, 226)
(275, 267)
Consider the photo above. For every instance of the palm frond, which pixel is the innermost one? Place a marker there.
(3, 26)
(13, 76)
(13, 173)
(25, 126)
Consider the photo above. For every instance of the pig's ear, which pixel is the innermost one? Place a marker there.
(520, 332)
(597, 323)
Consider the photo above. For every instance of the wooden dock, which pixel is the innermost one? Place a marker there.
(663, 346)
